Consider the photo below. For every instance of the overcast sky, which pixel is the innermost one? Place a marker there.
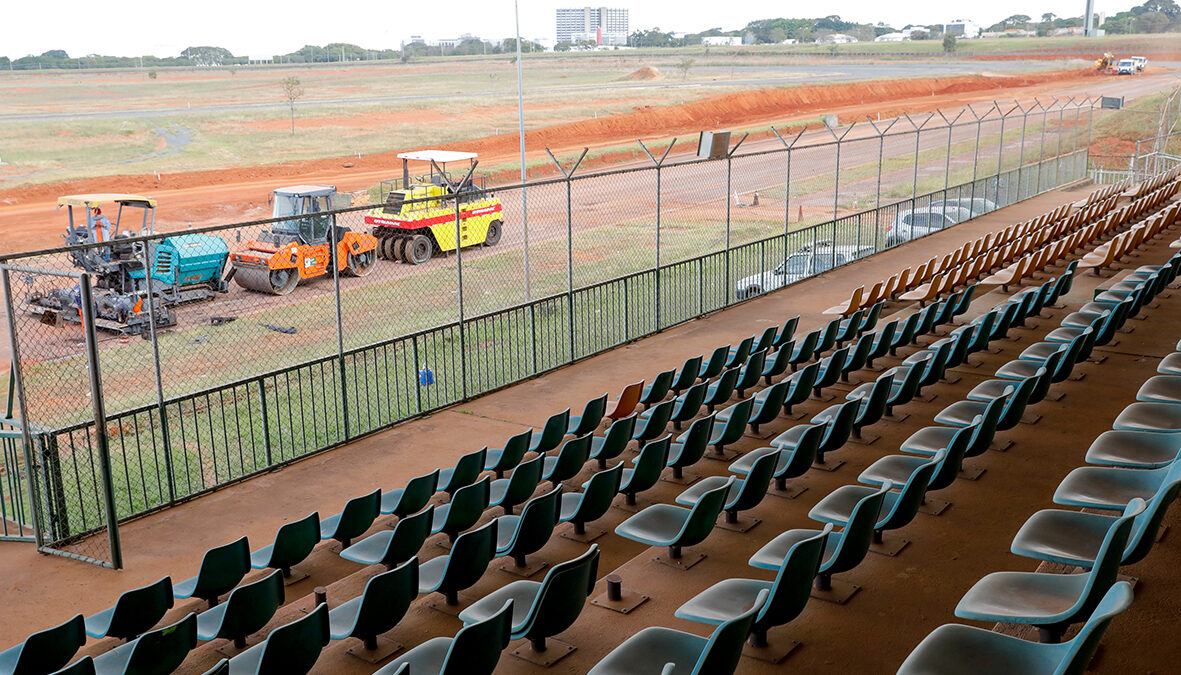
(262, 28)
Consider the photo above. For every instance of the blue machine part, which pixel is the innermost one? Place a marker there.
(188, 259)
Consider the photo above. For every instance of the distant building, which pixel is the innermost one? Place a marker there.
(962, 28)
(893, 37)
(721, 41)
(837, 39)
(1012, 32)
(603, 25)
(1069, 31)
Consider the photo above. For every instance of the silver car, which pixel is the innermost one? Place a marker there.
(913, 224)
(802, 263)
(977, 206)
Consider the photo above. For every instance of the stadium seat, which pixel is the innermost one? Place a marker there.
(790, 462)
(653, 426)
(768, 404)
(594, 501)
(1052, 602)
(569, 461)
(293, 543)
(135, 612)
(961, 413)
(656, 650)
(612, 445)
(1135, 449)
(290, 649)
(869, 409)
(475, 650)
(628, 399)
(779, 362)
(744, 494)
(836, 432)
(737, 355)
(590, 419)
(687, 375)
(715, 364)
(674, 526)
(732, 429)
(463, 511)
(898, 468)
(804, 349)
(393, 547)
(518, 536)
(247, 610)
(356, 517)
(45, 651)
(158, 651)
(383, 603)
(687, 405)
(464, 473)
(1149, 417)
(751, 372)
(469, 558)
(221, 569)
(690, 446)
(1111, 488)
(647, 468)
(656, 391)
(720, 390)
(508, 493)
(500, 460)
(1160, 389)
(801, 386)
(413, 498)
(551, 434)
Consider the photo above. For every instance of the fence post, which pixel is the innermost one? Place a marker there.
(947, 158)
(975, 154)
(836, 175)
(1021, 156)
(1041, 153)
(100, 423)
(787, 187)
(729, 171)
(1000, 149)
(877, 199)
(569, 176)
(659, 195)
(334, 259)
(165, 433)
(918, 132)
(1058, 147)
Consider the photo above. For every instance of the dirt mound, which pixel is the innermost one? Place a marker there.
(645, 73)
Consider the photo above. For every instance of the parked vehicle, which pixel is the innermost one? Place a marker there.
(977, 206)
(913, 224)
(1125, 67)
(802, 263)
(1140, 62)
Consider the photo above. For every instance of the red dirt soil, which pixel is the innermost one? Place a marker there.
(216, 196)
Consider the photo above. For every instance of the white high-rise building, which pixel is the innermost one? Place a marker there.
(603, 25)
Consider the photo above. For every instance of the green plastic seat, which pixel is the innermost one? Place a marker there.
(1105, 324)
(1022, 368)
(293, 543)
(897, 509)
(882, 341)
(959, 340)
(766, 339)
(542, 609)
(356, 517)
(932, 364)
(687, 375)
(1160, 389)
(569, 461)
(247, 610)
(871, 318)
(465, 472)
(469, 558)
(654, 426)
(1135, 449)
(413, 498)
(157, 652)
(930, 440)
(594, 501)
(786, 332)
(1111, 488)
(943, 650)
(737, 355)
(831, 368)
(646, 470)
(779, 362)
(734, 426)
(608, 447)
(656, 391)
(982, 328)
(508, 493)
(475, 650)
(500, 460)
(686, 406)
(961, 413)
(393, 547)
(843, 550)
(858, 356)
(751, 372)
(656, 650)
(828, 336)
(518, 536)
(45, 651)
(221, 569)
(787, 594)
(1052, 602)
(744, 494)
(83, 666)
(790, 462)
(836, 432)
(906, 333)
(690, 446)
(134, 613)
(463, 511)
(290, 649)
(849, 327)
(592, 416)
(720, 390)
(869, 410)
(715, 364)
(383, 603)
(898, 468)
(552, 433)
(927, 318)
(768, 404)
(805, 349)
(674, 526)
(903, 387)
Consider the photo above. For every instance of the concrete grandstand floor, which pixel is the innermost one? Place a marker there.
(902, 598)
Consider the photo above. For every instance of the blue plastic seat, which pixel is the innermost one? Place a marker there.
(654, 426)
(647, 468)
(744, 494)
(293, 543)
(1135, 449)
(687, 375)
(463, 567)
(721, 390)
(1111, 488)
(509, 493)
(656, 391)
(135, 612)
(751, 372)
(552, 433)
(592, 416)
(690, 446)
(518, 536)
(383, 603)
(569, 461)
(836, 432)
(594, 501)
(768, 405)
(789, 462)
(500, 460)
(944, 650)
(1075, 537)
(1157, 417)
(463, 511)
(465, 472)
(897, 508)
(786, 332)
(675, 526)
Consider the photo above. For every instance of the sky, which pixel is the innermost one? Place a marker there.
(143, 27)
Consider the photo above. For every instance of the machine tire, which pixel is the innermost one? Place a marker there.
(385, 248)
(418, 249)
(398, 248)
(495, 229)
(361, 264)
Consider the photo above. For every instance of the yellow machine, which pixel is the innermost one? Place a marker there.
(417, 219)
(1105, 62)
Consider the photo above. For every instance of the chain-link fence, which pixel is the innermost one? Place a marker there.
(221, 352)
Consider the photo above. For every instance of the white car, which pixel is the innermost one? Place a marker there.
(913, 224)
(1140, 62)
(1125, 67)
(975, 207)
(802, 263)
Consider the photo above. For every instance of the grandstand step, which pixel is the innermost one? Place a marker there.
(773, 653)
(790, 493)
(385, 649)
(889, 546)
(829, 465)
(934, 507)
(555, 650)
(590, 534)
(687, 560)
(687, 478)
(742, 524)
(525, 572)
(839, 594)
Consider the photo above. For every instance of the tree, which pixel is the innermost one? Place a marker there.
(684, 65)
(1167, 7)
(207, 56)
(1151, 22)
(55, 54)
(563, 46)
(292, 91)
(949, 43)
(1048, 17)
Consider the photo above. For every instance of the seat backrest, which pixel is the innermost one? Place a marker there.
(724, 386)
(688, 373)
(735, 426)
(592, 414)
(467, 505)
(1015, 407)
(470, 556)
(251, 606)
(754, 486)
(1147, 523)
(514, 451)
(629, 398)
(858, 533)
(571, 458)
(358, 515)
(775, 397)
(562, 596)
(417, 493)
(138, 610)
(385, 600)
(293, 648)
(1108, 559)
(85, 666)
(467, 470)
(724, 648)
(648, 465)
(906, 506)
(476, 649)
(948, 469)
(805, 349)
(695, 443)
(618, 435)
(537, 522)
(656, 422)
(555, 429)
(837, 431)
(787, 331)
(52, 648)
(885, 337)
(793, 582)
(409, 535)
(716, 362)
(875, 403)
(223, 567)
(703, 515)
(691, 401)
(163, 650)
(753, 369)
(523, 481)
(802, 381)
(1077, 653)
(766, 340)
(742, 351)
(804, 453)
(829, 335)
(599, 493)
(294, 541)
